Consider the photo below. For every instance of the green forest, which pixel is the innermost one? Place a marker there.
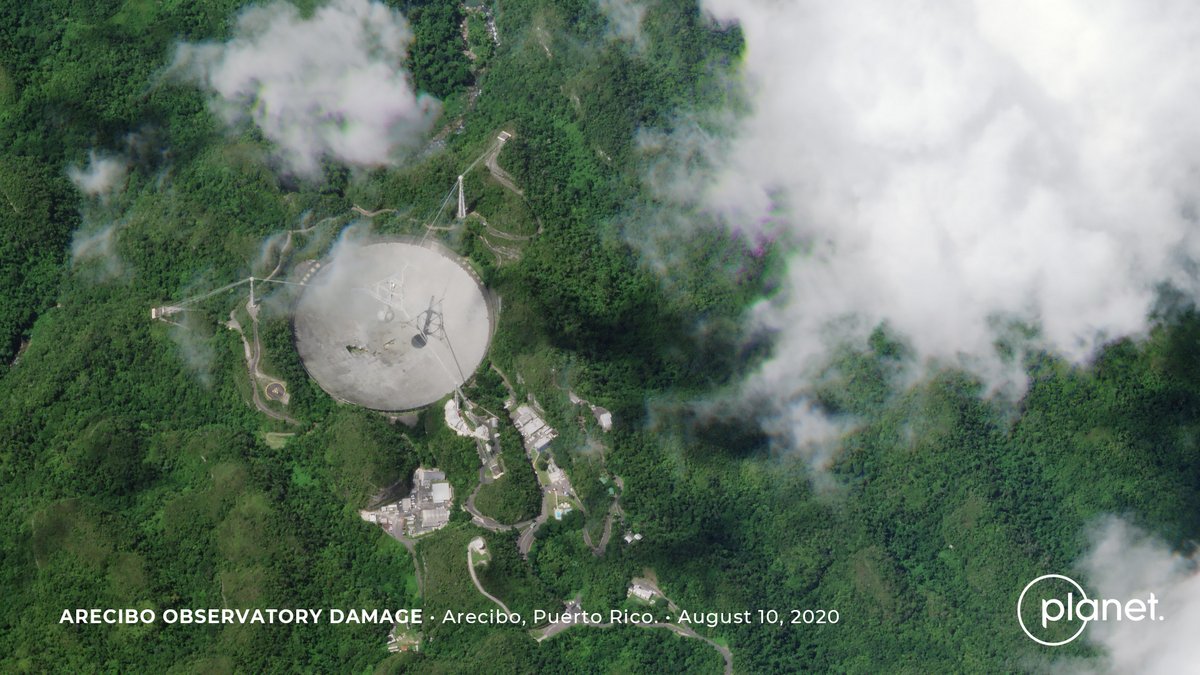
(135, 471)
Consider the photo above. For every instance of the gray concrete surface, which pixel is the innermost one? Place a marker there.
(357, 320)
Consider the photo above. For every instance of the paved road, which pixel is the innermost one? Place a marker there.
(478, 544)
(506, 180)
(680, 630)
(614, 509)
(487, 522)
(525, 542)
(254, 351)
(573, 609)
(286, 249)
(687, 632)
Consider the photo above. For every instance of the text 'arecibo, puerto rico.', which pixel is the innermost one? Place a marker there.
(543, 617)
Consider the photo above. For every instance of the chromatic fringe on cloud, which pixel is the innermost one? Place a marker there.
(328, 86)
(955, 170)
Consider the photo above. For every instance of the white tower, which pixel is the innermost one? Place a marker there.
(462, 201)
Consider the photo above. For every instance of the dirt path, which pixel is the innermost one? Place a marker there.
(501, 176)
(412, 552)
(369, 214)
(502, 253)
(252, 358)
(501, 235)
(507, 385)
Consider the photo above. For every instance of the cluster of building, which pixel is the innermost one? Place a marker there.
(402, 639)
(485, 430)
(534, 430)
(454, 420)
(425, 509)
(602, 415)
(537, 435)
(641, 591)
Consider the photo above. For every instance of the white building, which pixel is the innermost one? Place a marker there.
(641, 592)
(455, 421)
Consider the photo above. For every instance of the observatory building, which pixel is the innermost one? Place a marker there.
(392, 325)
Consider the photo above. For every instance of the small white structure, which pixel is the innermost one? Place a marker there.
(641, 592)
(603, 418)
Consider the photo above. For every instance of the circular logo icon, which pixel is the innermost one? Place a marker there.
(1021, 619)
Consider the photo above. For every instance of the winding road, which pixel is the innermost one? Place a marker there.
(477, 544)
(369, 214)
(487, 522)
(253, 353)
(574, 609)
(501, 176)
(614, 510)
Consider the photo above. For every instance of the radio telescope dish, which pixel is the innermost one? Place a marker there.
(392, 325)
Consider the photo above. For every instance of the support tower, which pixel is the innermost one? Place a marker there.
(462, 200)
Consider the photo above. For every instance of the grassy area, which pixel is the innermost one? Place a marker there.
(277, 439)
(504, 210)
(447, 583)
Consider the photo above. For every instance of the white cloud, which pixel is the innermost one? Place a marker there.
(951, 167)
(1125, 563)
(332, 85)
(100, 245)
(103, 176)
(624, 20)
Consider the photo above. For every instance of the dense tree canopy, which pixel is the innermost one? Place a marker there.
(136, 473)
